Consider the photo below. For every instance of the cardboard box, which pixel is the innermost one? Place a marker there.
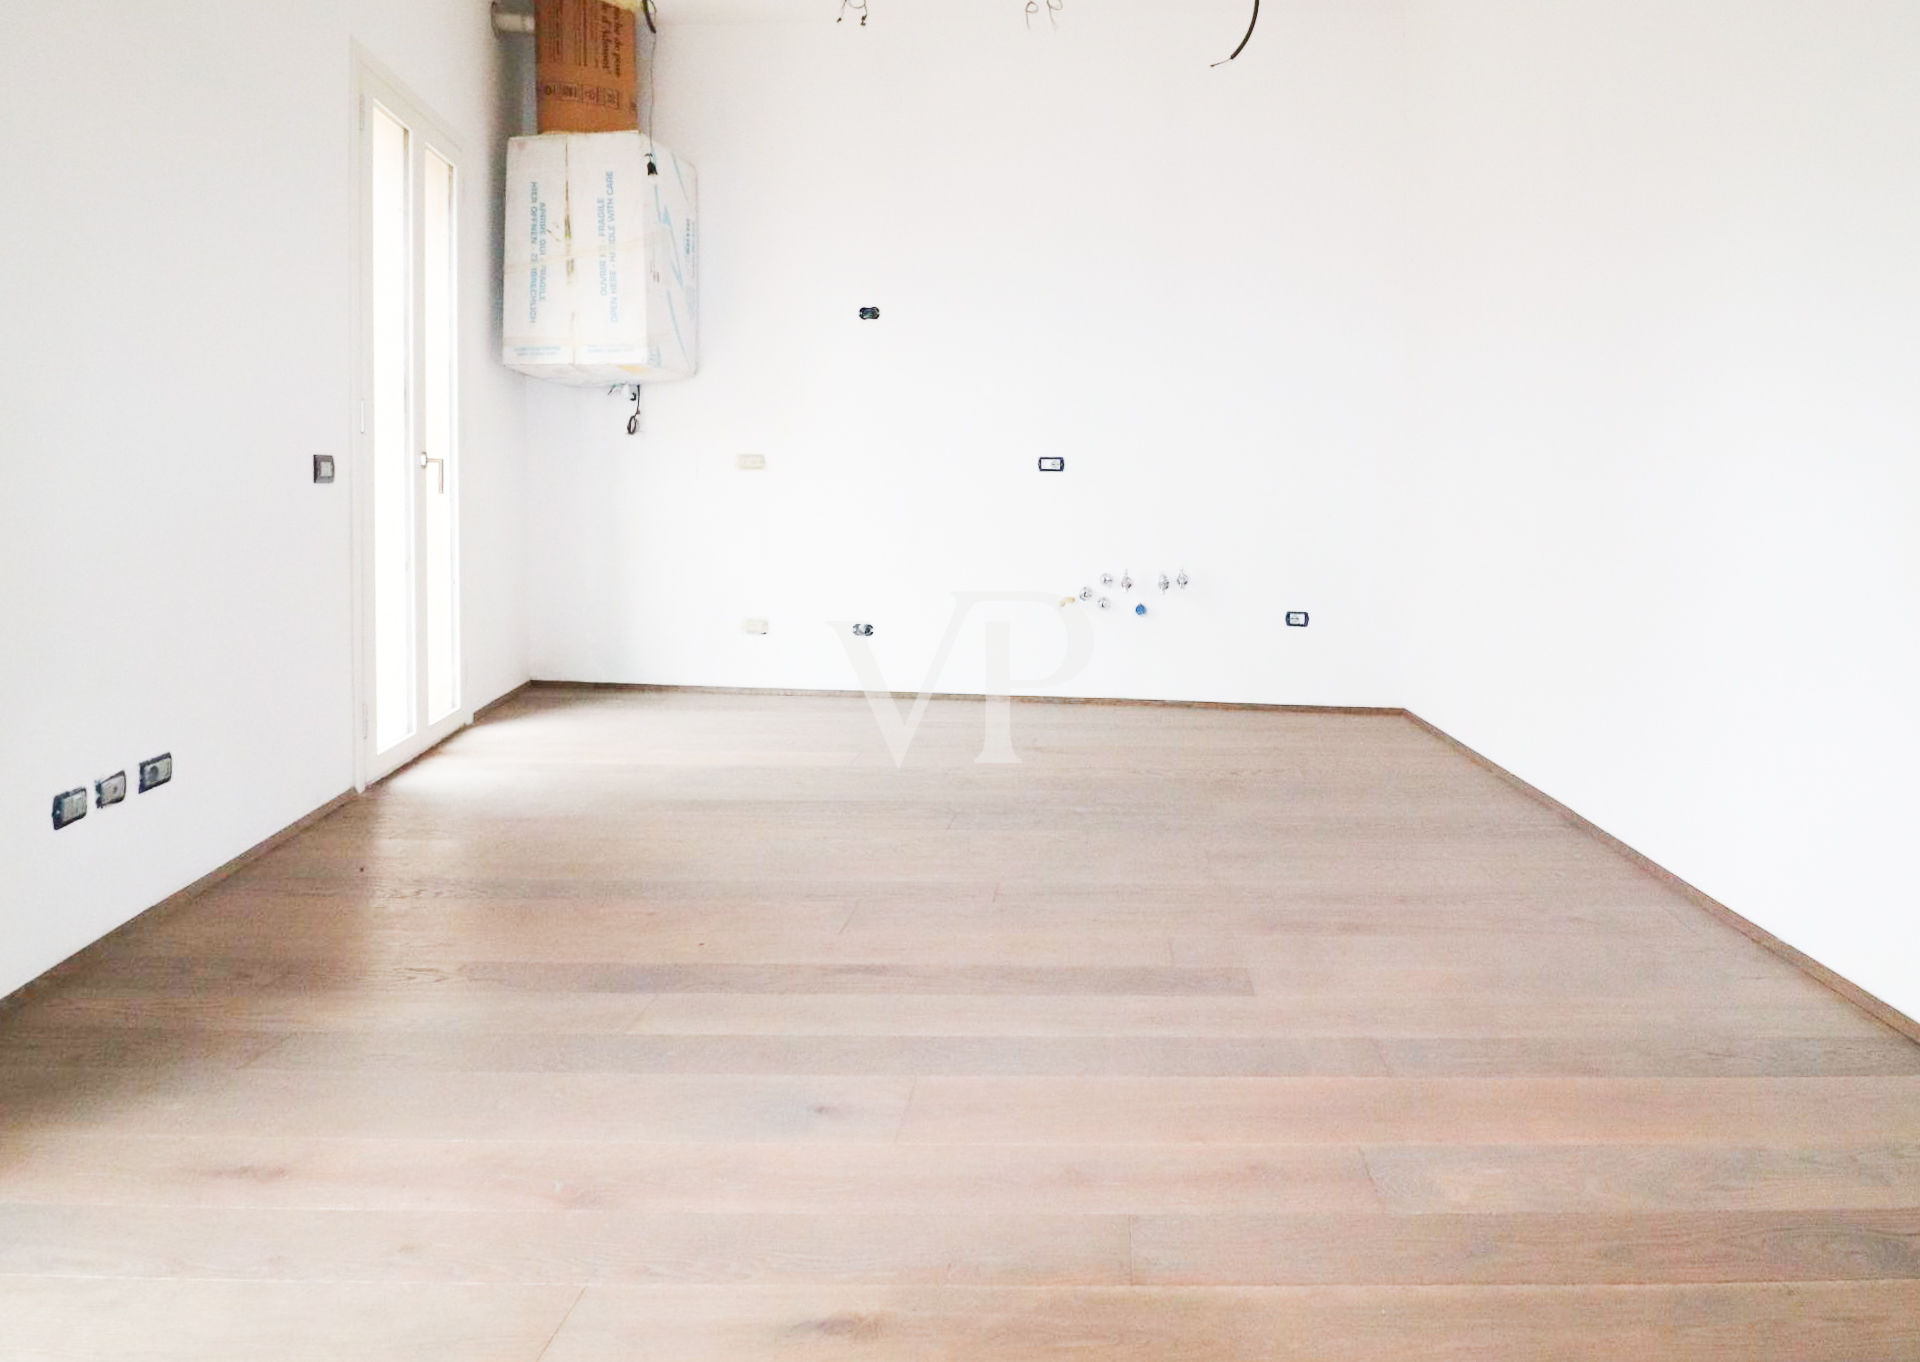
(587, 71)
(602, 268)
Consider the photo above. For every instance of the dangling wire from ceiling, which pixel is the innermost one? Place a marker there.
(1053, 11)
(858, 7)
(1251, 25)
(649, 76)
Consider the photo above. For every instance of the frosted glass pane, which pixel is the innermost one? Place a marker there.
(391, 261)
(437, 332)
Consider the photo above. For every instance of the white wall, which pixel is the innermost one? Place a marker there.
(175, 348)
(1084, 242)
(1667, 437)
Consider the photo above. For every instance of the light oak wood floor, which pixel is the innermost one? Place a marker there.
(687, 1028)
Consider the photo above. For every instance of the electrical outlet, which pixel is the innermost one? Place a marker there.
(751, 463)
(1296, 619)
(753, 626)
(110, 791)
(1052, 463)
(869, 314)
(156, 771)
(323, 468)
(863, 631)
(70, 807)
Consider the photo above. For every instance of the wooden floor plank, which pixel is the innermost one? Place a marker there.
(1734, 1323)
(1518, 1178)
(522, 1247)
(96, 1168)
(949, 1110)
(478, 1106)
(1501, 1249)
(75, 1319)
(1358, 1014)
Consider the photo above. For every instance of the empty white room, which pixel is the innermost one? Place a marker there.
(782, 680)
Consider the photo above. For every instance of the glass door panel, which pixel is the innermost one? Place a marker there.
(391, 317)
(441, 624)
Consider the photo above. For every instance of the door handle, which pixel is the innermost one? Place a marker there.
(441, 469)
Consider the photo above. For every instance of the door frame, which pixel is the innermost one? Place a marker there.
(372, 83)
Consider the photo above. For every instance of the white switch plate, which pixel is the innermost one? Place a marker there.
(751, 463)
(753, 626)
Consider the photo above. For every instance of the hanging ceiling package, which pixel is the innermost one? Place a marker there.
(602, 271)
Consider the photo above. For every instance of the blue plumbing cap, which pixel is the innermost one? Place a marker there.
(1139, 609)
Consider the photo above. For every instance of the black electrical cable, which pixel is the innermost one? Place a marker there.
(633, 421)
(1251, 25)
(652, 81)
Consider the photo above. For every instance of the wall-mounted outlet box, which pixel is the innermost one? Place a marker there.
(863, 631)
(70, 807)
(751, 463)
(156, 771)
(323, 468)
(110, 791)
(1296, 619)
(753, 626)
(1052, 463)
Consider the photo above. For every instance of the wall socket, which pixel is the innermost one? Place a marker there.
(70, 807)
(750, 463)
(753, 626)
(110, 791)
(156, 771)
(1296, 619)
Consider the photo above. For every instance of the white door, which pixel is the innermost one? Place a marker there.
(407, 465)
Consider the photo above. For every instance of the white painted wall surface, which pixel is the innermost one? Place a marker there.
(1665, 474)
(1084, 242)
(175, 347)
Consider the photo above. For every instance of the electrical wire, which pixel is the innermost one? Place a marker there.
(1053, 11)
(648, 75)
(1251, 25)
(858, 7)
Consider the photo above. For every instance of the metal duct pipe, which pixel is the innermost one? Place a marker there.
(505, 22)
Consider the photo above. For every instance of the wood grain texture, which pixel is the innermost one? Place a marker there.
(634, 1025)
(1746, 1322)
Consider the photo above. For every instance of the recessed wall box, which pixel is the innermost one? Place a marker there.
(156, 771)
(323, 468)
(1296, 619)
(70, 807)
(1053, 463)
(110, 791)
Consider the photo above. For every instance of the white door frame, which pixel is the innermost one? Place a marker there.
(371, 84)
